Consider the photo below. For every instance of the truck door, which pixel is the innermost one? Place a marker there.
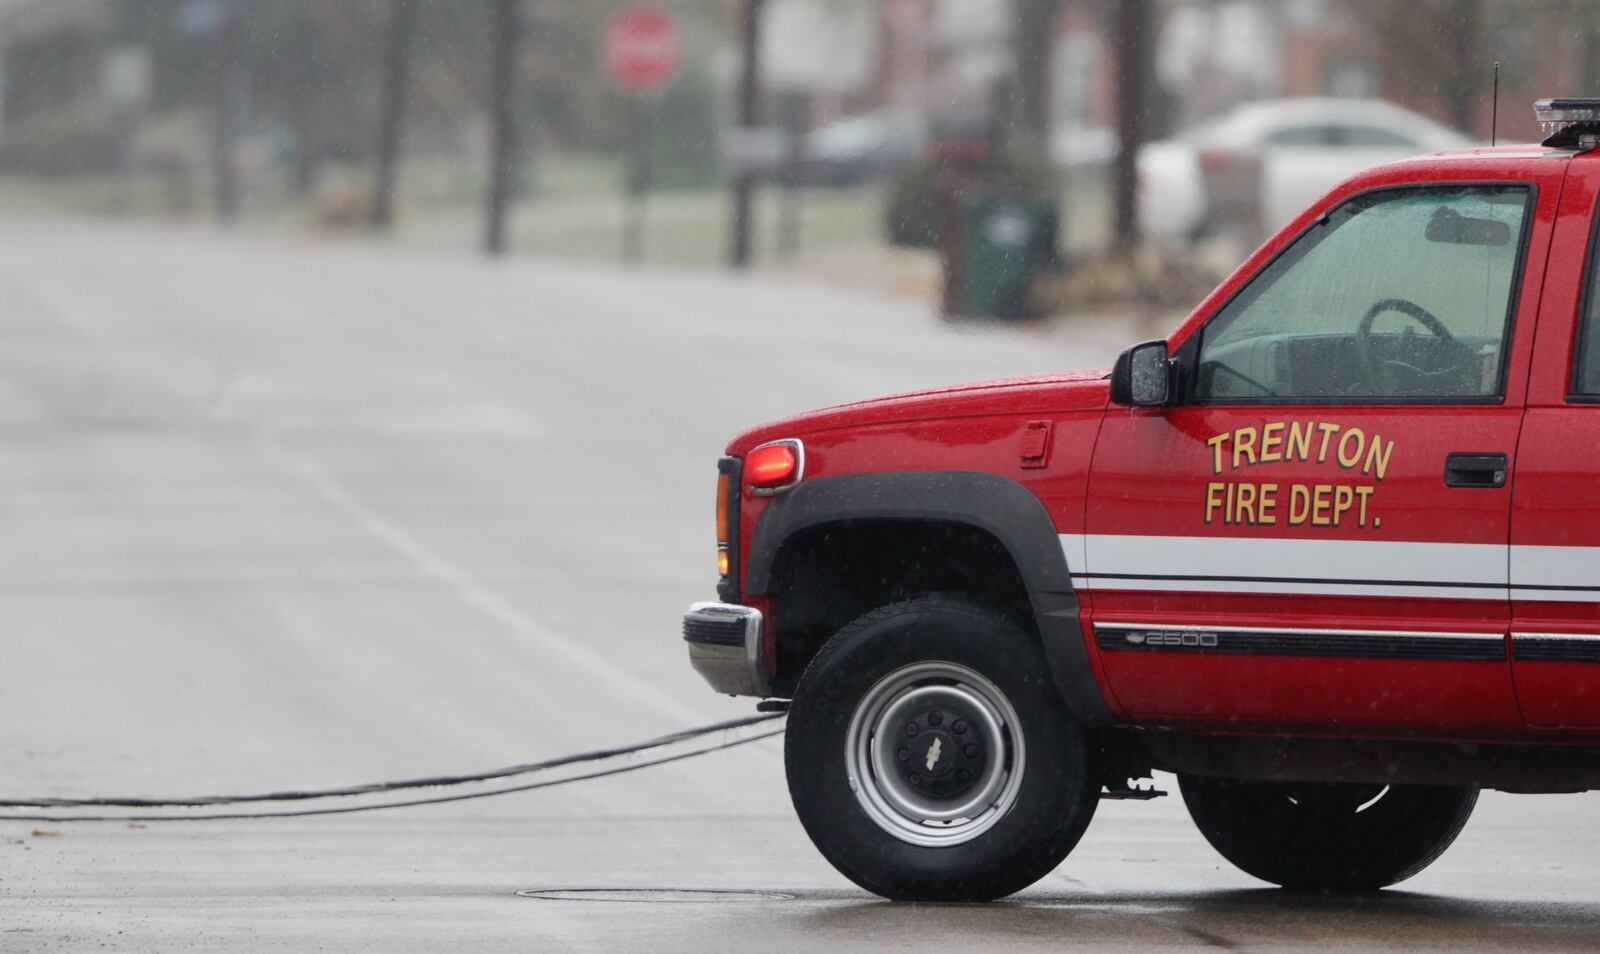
(1555, 524)
(1317, 530)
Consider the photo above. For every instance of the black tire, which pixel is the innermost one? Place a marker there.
(1052, 798)
(1327, 836)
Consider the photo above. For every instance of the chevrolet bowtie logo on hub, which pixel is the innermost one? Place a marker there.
(932, 754)
(938, 754)
(941, 755)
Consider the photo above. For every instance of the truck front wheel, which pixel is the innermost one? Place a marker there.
(1327, 836)
(930, 757)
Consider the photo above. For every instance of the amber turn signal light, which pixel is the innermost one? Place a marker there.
(724, 487)
(724, 491)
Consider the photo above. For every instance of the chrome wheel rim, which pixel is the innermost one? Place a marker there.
(935, 754)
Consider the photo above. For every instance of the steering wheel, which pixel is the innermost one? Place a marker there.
(1377, 371)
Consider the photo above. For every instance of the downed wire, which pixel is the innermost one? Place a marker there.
(352, 809)
(407, 784)
(439, 781)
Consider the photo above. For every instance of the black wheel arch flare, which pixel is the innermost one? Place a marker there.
(998, 505)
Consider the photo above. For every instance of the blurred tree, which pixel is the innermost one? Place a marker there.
(306, 69)
(748, 115)
(505, 33)
(1439, 53)
(1133, 26)
(1464, 62)
(230, 86)
(1581, 18)
(566, 80)
(1588, 78)
(396, 92)
(294, 88)
(1033, 43)
(1443, 50)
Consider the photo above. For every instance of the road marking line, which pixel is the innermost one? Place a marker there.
(79, 315)
(621, 684)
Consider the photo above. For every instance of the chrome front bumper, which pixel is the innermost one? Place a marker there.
(725, 647)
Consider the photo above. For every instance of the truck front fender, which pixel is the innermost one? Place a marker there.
(997, 505)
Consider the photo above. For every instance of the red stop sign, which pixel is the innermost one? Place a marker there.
(642, 49)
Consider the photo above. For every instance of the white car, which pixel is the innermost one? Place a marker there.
(1259, 165)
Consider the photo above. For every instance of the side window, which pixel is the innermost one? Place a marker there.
(1372, 137)
(1400, 294)
(1586, 375)
(1299, 136)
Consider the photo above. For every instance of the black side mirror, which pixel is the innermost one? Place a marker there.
(1142, 376)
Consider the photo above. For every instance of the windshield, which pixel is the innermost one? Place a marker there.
(1403, 293)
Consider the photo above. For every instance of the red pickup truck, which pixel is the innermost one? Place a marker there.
(1330, 553)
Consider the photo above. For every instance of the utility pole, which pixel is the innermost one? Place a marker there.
(1132, 28)
(749, 115)
(392, 121)
(506, 30)
(231, 95)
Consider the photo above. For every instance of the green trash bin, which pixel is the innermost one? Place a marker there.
(1001, 244)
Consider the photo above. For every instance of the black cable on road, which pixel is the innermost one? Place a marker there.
(439, 781)
(352, 809)
(377, 787)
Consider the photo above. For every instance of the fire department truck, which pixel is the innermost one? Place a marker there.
(1330, 553)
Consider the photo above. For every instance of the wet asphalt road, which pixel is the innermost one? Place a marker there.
(300, 515)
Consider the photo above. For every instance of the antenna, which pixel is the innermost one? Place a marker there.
(1494, 109)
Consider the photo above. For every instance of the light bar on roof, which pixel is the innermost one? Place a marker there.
(1570, 122)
